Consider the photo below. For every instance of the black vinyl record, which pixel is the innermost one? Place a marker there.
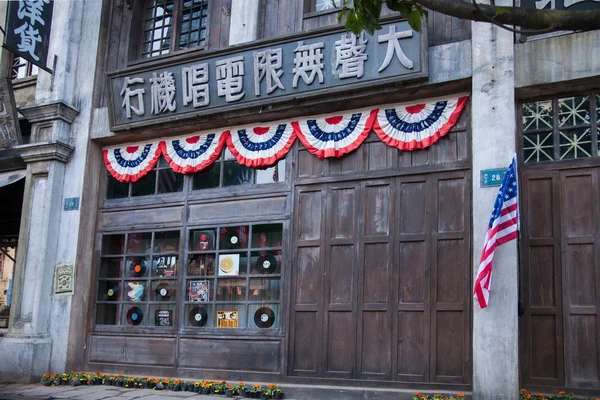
(138, 268)
(135, 316)
(264, 317)
(231, 240)
(266, 264)
(163, 292)
(112, 293)
(198, 316)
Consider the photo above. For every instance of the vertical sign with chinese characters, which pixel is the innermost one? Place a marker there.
(28, 25)
(307, 65)
(10, 134)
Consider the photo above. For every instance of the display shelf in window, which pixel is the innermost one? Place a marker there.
(237, 274)
(138, 274)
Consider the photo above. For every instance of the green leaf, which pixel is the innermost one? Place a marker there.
(502, 10)
(414, 20)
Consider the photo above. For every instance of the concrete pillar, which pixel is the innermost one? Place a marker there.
(495, 328)
(40, 325)
(244, 21)
(26, 351)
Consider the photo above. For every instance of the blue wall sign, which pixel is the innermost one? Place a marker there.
(492, 177)
(71, 203)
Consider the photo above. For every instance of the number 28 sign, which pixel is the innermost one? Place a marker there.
(492, 177)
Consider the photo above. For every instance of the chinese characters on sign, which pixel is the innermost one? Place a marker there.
(28, 30)
(281, 70)
(561, 4)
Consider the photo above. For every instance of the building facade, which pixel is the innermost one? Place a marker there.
(237, 189)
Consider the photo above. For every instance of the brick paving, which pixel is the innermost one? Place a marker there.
(101, 392)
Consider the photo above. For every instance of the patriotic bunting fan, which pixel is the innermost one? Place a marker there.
(404, 126)
(261, 147)
(128, 164)
(336, 135)
(411, 127)
(193, 153)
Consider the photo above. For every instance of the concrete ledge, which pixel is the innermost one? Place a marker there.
(314, 392)
(24, 359)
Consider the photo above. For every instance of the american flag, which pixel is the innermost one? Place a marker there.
(503, 227)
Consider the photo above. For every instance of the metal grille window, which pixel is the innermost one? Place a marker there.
(21, 68)
(171, 25)
(562, 128)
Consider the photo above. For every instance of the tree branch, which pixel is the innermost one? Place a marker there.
(529, 18)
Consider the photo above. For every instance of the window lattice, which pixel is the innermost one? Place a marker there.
(560, 129)
(157, 28)
(193, 24)
(21, 68)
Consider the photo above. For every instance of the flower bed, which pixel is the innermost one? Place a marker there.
(210, 387)
(524, 395)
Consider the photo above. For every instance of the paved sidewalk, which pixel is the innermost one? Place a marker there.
(40, 392)
(37, 391)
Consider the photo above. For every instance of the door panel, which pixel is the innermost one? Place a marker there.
(580, 214)
(560, 279)
(541, 326)
(385, 280)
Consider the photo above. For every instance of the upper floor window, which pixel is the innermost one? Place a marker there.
(561, 128)
(322, 5)
(21, 68)
(171, 25)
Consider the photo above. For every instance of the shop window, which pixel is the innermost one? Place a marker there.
(231, 280)
(228, 172)
(162, 179)
(562, 128)
(137, 279)
(21, 68)
(233, 277)
(171, 25)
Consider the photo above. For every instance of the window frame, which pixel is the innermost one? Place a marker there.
(139, 19)
(27, 65)
(146, 304)
(555, 131)
(181, 278)
(188, 192)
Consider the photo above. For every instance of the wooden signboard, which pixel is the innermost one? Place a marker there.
(265, 72)
(10, 134)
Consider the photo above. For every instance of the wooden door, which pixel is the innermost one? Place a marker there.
(380, 287)
(560, 276)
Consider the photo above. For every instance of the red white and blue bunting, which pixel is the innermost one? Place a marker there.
(417, 126)
(407, 126)
(130, 163)
(334, 136)
(261, 146)
(193, 153)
